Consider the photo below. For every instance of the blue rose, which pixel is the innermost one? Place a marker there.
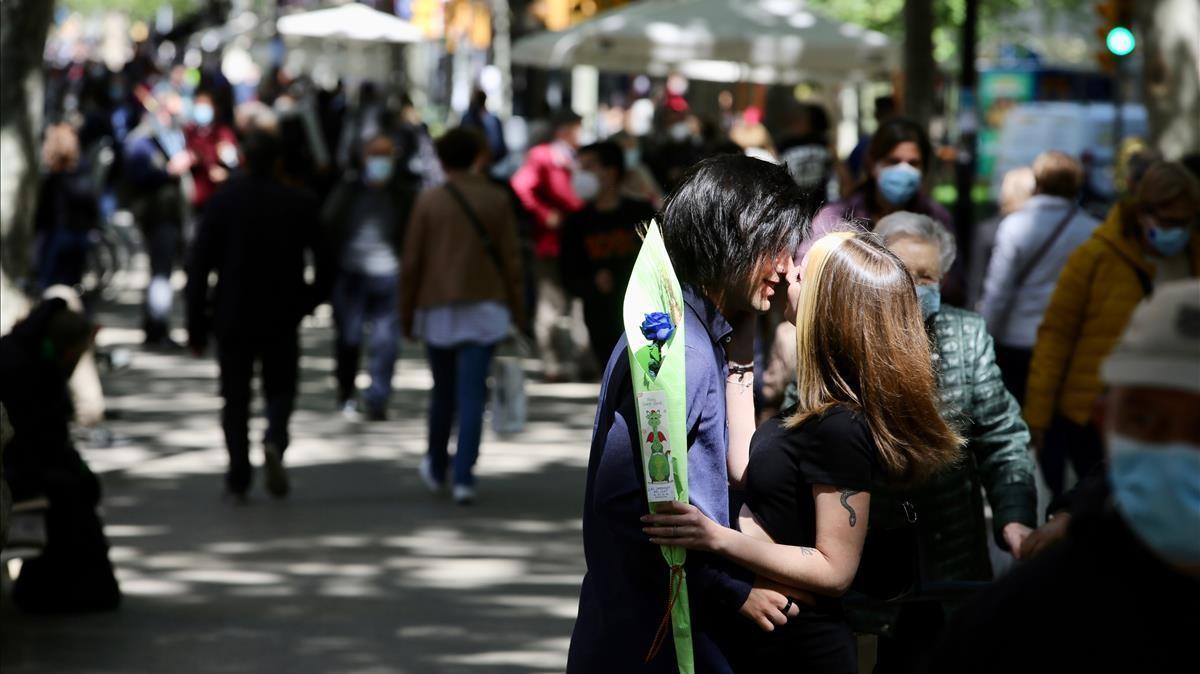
(657, 327)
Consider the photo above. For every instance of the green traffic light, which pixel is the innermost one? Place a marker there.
(1120, 41)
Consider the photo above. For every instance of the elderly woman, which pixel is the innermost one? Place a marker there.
(996, 456)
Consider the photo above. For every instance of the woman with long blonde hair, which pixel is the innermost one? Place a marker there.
(867, 413)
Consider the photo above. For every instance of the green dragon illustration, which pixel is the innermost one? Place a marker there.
(660, 467)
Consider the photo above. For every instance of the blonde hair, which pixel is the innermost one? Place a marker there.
(861, 343)
(1016, 188)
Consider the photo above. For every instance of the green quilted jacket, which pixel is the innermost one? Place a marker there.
(975, 401)
(949, 508)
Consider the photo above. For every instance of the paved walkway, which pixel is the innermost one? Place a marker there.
(361, 571)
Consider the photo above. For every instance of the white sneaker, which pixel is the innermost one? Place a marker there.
(464, 495)
(350, 411)
(426, 472)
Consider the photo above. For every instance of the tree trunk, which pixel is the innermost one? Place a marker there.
(919, 66)
(1170, 34)
(23, 28)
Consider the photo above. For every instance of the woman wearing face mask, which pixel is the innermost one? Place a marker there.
(213, 147)
(897, 161)
(1118, 593)
(897, 164)
(1144, 242)
(953, 526)
(365, 218)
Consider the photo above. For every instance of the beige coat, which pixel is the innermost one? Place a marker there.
(445, 261)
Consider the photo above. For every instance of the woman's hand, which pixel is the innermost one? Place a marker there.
(684, 525)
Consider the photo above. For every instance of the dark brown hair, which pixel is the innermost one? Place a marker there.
(861, 343)
(1163, 183)
(459, 148)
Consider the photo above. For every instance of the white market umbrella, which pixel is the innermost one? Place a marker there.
(353, 22)
(769, 41)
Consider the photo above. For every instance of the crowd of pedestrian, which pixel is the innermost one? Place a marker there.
(951, 380)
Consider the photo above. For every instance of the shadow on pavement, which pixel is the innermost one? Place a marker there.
(361, 570)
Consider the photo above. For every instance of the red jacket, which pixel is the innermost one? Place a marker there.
(543, 184)
(203, 143)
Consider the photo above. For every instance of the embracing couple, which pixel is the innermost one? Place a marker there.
(765, 580)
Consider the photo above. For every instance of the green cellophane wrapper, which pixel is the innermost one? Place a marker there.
(661, 401)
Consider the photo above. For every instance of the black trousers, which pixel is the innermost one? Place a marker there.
(1081, 444)
(1014, 369)
(278, 358)
(604, 330)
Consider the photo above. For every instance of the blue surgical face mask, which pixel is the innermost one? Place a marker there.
(1169, 241)
(930, 297)
(202, 114)
(378, 170)
(899, 183)
(1156, 489)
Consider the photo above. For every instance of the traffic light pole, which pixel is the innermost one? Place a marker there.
(968, 126)
(1118, 127)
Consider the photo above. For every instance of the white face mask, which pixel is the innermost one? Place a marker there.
(586, 184)
(680, 131)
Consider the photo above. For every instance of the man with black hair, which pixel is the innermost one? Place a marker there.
(729, 229)
(255, 234)
(600, 244)
(479, 117)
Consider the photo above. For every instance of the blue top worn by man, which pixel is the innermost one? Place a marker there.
(728, 229)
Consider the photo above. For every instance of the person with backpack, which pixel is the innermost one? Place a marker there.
(1146, 241)
(1031, 247)
(461, 291)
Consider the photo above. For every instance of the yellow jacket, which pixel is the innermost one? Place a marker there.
(1096, 293)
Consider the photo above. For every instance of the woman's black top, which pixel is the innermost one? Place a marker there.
(836, 449)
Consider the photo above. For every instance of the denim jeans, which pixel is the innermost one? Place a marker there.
(279, 359)
(459, 387)
(359, 299)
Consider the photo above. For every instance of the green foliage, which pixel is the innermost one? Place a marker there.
(136, 9)
(887, 16)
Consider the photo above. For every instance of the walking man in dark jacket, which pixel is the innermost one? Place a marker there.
(255, 234)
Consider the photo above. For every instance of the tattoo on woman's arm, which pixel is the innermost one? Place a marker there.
(846, 494)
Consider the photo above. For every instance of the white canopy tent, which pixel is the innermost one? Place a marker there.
(354, 22)
(352, 42)
(766, 41)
